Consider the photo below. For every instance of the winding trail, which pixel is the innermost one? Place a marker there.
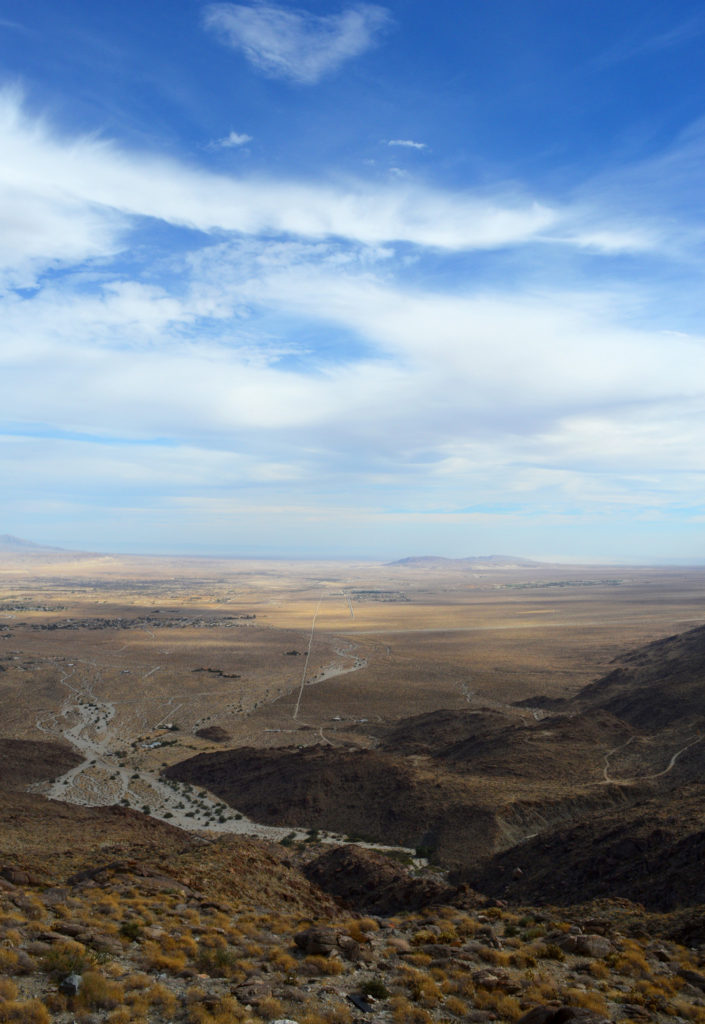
(645, 778)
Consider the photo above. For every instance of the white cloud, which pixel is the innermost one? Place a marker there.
(295, 44)
(408, 143)
(231, 141)
(97, 180)
(496, 390)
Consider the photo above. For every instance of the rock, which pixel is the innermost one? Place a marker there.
(16, 876)
(69, 928)
(585, 945)
(486, 934)
(71, 984)
(25, 964)
(359, 1003)
(696, 979)
(317, 941)
(50, 936)
(38, 948)
(251, 992)
(562, 1015)
(350, 949)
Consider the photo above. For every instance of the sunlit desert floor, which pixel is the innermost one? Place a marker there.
(127, 659)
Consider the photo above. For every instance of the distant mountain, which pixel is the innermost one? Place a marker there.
(473, 562)
(10, 543)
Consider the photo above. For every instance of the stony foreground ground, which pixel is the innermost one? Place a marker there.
(233, 931)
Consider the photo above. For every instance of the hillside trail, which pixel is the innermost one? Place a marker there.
(645, 778)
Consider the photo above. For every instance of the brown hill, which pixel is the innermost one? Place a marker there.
(651, 853)
(23, 762)
(370, 882)
(468, 786)
(655, 686)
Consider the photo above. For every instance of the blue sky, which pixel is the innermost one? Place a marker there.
(361, 280)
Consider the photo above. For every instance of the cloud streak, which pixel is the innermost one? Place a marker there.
(41, 168)
(294, 44)
(231, 141)
(407, 143)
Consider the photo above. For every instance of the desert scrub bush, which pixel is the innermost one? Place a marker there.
(541, 990)
(218, 961)
(374, 987)
(124, 1015)
(283, 961)
(329, 965)
(225, 1010)
(108, 905)
(159, 995)
(457, 1007)
(418, 959)
(98, 993)
(630, 962)
(405, 1012)
(588, 1000)
(68, 957)
(687, 1011)
(423, 989)
(8, 960)
(154, 957)
(270, 1008)
(598, 970)
(130, 930)
(8, 989)
(135, 982)
(360, 928)
(12, 937)
(466, 927)
(496, 957)
(187, 944)
(522, 959)
(24, 1011)
(506, 1007)
(549, 951)
(338, 1013)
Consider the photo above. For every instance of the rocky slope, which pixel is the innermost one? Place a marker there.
(470, 786)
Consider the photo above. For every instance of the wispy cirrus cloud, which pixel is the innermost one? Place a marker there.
(407, 143)
(643, 44)
(295, 44)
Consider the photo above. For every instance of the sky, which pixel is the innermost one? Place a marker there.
(358, 280)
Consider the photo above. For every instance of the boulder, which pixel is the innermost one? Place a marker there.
(317, 941)
(71, 984)
(585, 945)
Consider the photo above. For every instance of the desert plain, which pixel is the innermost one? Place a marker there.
(141, 662)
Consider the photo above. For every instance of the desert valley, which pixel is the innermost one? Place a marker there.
(429, 790)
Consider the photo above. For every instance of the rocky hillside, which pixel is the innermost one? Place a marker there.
(471, 786)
